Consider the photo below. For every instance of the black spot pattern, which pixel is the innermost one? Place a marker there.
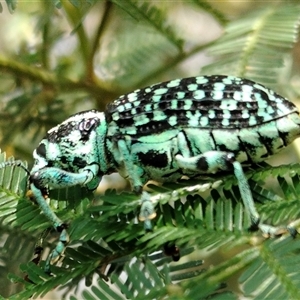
(63, 130)
(154, 159)
(202, 164)
(180, 101)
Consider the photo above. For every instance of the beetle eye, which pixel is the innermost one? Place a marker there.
(86, 126)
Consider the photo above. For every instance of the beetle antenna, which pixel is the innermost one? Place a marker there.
(17, 163)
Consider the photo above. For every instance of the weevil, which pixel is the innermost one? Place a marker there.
(184, 127)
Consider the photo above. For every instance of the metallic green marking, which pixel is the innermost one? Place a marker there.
(173, 120)
(226, 114)
(201, 80)
(204, 121)
(282, 108)
(158, 116)
(218, 95)
(140, 119)
(160, 138)
(270, 110)
(115, 116)
(238, 96)
(148, 107)
(131, 130)
(128, 105)
(188, 104)
(219, 86)
(211, 114)
(174, 104)
(194, 118)
(192, 87)
(155, 106)
(247, 89)
(228, 80)
(262, 103)
(132, 97)
(252, 121)
(137, 103)
(199, 94)
(245, 114)
(173, 83)
(261, 113)
(121, 108)
(272, 97)
(156, 98)
(231, 140)
(161, 91)
(225, 122)
(180, 95)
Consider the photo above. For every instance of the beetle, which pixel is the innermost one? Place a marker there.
(190, 127)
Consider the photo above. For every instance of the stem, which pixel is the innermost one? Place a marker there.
(173, 62)
(96, 41)
(28, 72)
(76, 17)
(45, 34)
(213, 276)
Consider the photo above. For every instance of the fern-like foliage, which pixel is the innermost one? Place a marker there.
(11, 5)
(256, 46)
(144, 11)
(111, 251)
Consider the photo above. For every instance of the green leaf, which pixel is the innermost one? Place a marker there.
(153, 15)
(256, 45)
(11, 5)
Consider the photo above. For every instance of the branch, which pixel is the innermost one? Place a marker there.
(76, 18)
(172, 62)
(97, 38)
(48, 78)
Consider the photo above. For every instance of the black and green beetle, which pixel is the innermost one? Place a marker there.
(184, 127)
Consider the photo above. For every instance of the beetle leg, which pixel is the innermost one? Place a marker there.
(147, 212)
(58, 225)
(214, 161)
(56, 178)
(133, 172)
